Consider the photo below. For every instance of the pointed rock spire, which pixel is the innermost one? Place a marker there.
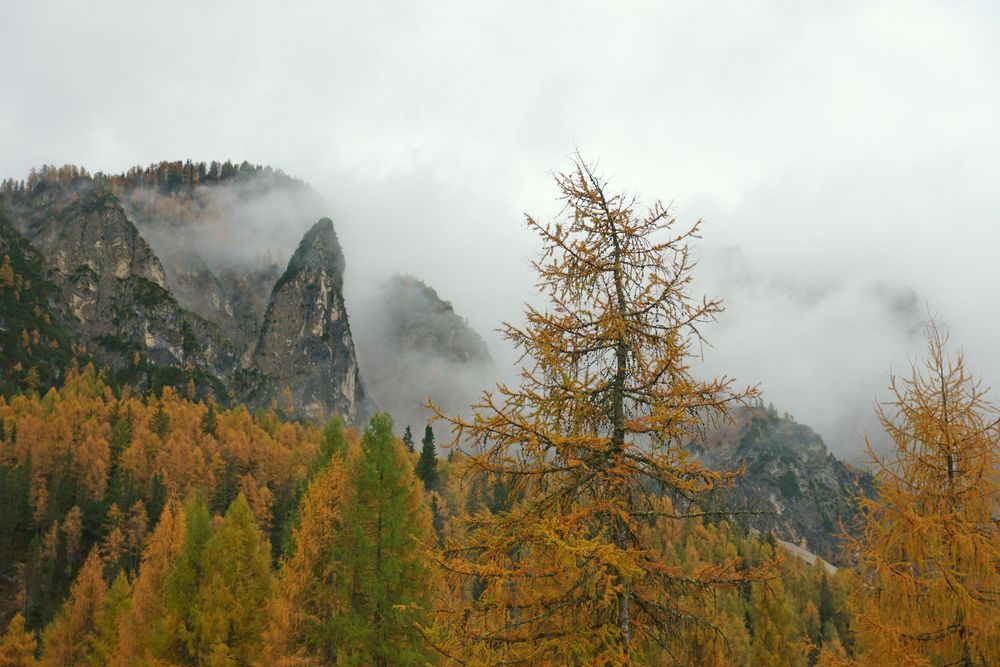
(305, 343)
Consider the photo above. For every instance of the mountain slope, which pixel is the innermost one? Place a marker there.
(35, 345)
(414, 346)
(216, 320)
(115, 287)
(792, 486)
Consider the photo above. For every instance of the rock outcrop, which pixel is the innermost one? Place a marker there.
(114, 284)
(793, 485)
(223, 323)
(305, 343)
(233, 298)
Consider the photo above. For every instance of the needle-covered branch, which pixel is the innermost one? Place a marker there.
(589, 445)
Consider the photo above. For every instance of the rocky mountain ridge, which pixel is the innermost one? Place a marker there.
(793, 485)
(305, 340)
(238, 335)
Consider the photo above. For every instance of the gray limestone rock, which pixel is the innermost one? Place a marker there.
(792, 486)
(305, 343)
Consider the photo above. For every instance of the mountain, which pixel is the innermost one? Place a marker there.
(793, 485)
(210, 318)
(305, 342)
(414, 347)
(115, 288)
(35, 346)
(417, 320)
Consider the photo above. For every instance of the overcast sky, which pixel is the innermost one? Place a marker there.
(844, 155)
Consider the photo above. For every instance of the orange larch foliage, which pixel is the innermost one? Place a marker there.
(929, 557)
(17, 646)
(308, 579)
(66, 639)
(148, 594)
(74, 426)
(587, 442)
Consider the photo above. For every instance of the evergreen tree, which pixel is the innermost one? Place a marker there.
(160, 423)
(209, 421)
(408, 439)
(332, 443)
(104, 641)
(234, 588)
(388, 524)
(427, 464)
(176, 637)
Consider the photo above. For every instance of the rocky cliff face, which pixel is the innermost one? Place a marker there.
(792, 486)
(35, 344)
(231, 327)
(234, 299)
(305, 342)
(113, 283)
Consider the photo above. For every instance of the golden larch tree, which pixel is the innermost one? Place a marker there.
(929, 556)
(309, 580)
(17, 646)
(67, 639)
(149, 591)
(589, 443)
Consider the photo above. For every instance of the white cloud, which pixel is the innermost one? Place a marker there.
(844, 143)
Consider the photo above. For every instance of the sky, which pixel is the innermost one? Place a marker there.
(843, 155)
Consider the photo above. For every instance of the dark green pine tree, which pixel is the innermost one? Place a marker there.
(209, 421)
(160, 424)
(427, 465)
(408, 439)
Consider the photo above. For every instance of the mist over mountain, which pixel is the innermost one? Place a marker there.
(223, 320)
(793, 486)
(181, 274)
(414, 347)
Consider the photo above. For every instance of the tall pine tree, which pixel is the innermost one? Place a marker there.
(427, 464)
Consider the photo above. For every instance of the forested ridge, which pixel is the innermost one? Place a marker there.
(566, 523)
(168, 177)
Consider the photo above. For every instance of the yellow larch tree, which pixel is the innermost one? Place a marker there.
(928, 559)
(17, 646)
(149, 591)
(67, 639)
(587, 443)
(300, 630)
